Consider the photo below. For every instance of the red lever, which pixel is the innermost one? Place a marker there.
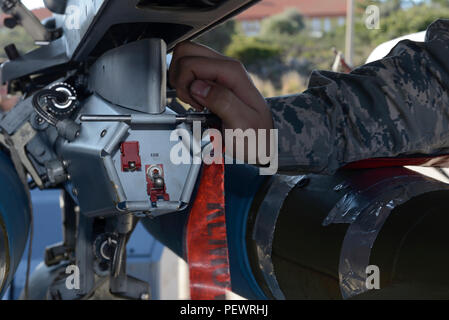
(156, 188)
(130, 156)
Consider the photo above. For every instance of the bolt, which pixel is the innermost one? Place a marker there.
(75, 192)
(158, 182)
(154, 171)
(65, 163)
(69, 177)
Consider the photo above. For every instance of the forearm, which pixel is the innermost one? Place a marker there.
(396, 106)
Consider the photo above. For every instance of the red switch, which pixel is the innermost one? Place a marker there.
(130, 156)
(156, 183)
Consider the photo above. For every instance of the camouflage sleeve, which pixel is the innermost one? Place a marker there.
(395, 106)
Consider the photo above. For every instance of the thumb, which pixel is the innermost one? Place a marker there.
(218, 99)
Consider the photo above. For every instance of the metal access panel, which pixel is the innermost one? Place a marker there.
(133, 76)
(95, 157)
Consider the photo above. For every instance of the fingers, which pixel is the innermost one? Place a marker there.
(235, 115)
(184, 49)
(7, 104)
(205, 78)
(224, 103)
(190, 68)
(188, 48)
(225, 72)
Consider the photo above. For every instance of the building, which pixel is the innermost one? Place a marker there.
(320, 15)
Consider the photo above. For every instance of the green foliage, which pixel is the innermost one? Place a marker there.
(284, 38)
(386, 7)
(285, 45)
(252, 50)
(399, 23)
(403, 22)
(220, 37)
(290, 22)
(440, 3)
(394, 23)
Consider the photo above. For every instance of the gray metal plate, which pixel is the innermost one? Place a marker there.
(96, 190)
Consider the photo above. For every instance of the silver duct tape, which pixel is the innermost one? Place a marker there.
(265, 225)
(366, 212)
(355, 201)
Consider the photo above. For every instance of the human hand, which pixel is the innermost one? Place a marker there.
(204, 78)
(8, 102)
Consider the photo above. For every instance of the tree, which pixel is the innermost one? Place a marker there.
(290, 22)
(220, 37)
(440, 3)
(250, 50)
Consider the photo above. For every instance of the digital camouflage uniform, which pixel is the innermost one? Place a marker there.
(395, 106)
